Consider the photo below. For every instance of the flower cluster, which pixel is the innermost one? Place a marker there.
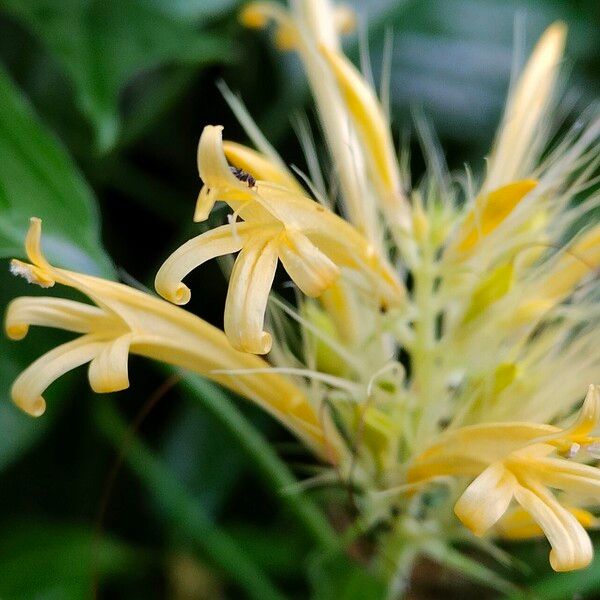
(447, 332)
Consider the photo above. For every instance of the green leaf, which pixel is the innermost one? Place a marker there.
(336, 577)
(266, 463)
(38, 178)
(53, 561)
(202, 454)
(181, 511)
(101, 44)
(194, 9)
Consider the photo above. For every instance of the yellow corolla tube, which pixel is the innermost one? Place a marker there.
(124, 321)
(522, 133)
(374, 129)
(277, 224)
(522, 462)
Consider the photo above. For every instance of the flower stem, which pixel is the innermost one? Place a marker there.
(422, 359)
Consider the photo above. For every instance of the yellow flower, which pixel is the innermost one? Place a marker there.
(124, 321)
(370, 121)
(522, 135)
(311, 28)
(521, 461)
(278, 223)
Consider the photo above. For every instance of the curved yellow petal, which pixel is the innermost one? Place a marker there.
(33, 242)
(521, 135)
(310, 269)
(53, 312)
(518, 524)
(374, 129)
(470, 449)
(486, 499)
(571, 545)
(108, 370)
(249, 286)
(216, 242)
(29, 386)
(582, 480)
(219, 181)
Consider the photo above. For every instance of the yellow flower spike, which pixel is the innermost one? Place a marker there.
(488, 212)
(259, 166)
(514, 461)
(127, 321)
(521, 135)
(373, 127)
(278, 224)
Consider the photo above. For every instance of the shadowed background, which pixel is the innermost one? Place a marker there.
(101, 106)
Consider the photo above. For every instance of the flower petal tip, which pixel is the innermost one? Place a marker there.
(34, 408)
(252, 17)
(180, 295)
(261, 346)
(30, 273)
(576, 564)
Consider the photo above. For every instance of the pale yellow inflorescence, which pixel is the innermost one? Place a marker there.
(499, 323)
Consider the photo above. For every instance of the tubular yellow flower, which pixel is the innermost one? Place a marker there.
(311, 25)
(277, 224)
(126, 321)
(376, 136)
(522, 133)
(521, 461)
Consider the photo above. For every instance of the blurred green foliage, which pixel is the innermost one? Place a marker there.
(101, 105)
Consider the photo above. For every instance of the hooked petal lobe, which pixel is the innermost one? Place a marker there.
(216, 242)
(251, 280)
(486, 499)
(108, 369)
(28, 388)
